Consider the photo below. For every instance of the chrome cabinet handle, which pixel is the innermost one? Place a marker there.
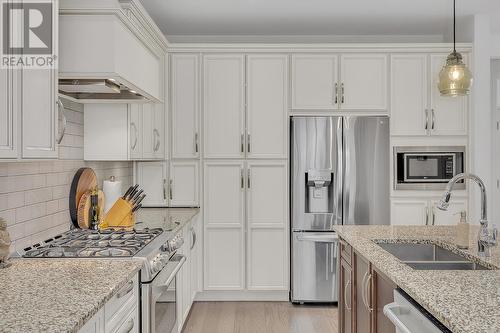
(125, 292)
(248, 178)
(248, 143)
(342, 90)
(426, 119)
(60, 108)
(426, 215)
(196, 144)
(433, 118)
(363, 289)
(170, 189)
(193, 238)
(242, 184)
(367, 293)
(242, 139)
(157, 136)
(164, 189)
(336, 93)
(348, 307)
(132, 125)
(433, 215)
(130, 326)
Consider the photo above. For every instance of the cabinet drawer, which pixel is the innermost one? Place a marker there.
(125, 298)
(129, 324)
(346, 251)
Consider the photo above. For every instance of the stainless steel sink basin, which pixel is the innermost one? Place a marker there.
(429, 257)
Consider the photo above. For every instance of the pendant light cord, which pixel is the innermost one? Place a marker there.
(454, 29)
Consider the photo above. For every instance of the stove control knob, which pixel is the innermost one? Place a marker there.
(156, 265)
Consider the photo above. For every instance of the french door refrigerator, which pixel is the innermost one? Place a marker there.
(339, 175)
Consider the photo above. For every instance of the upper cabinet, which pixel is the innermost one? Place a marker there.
(417, 108)
(185, 105)
(245, 115)
(267, 105)
(8, 115)
(224, 105)
(351, 82)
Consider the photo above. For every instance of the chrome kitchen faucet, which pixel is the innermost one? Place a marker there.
(486, 239)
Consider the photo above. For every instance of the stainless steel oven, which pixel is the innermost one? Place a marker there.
(427, 168)
(159, 307)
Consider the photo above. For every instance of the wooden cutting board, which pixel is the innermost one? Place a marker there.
(84, 180)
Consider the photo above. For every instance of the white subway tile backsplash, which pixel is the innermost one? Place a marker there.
(9, 216)
(38, 195)
(15, 200)
(4, 201)
(52, 206)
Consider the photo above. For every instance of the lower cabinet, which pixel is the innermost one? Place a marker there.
(119, 314)
(363, 293)
(425, 212)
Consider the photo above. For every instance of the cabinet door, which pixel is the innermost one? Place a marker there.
(184, 278)
(409, 212)
(362, 294)
(184, 183)
(267, 92)
(448, 114)
(224, 103)
(224, 220)
(450, 216)
(409, 87)
(314, 82)
(135, 116)
(267, 247)
(363, 82)
(39, 113)
(158, 131)
(148, 140)
(185, 101)
(152, 176)
(195, 256)
(383, 293)
(346, 313)
(8, 114)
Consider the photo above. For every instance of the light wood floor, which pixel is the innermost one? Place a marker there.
(260, 317)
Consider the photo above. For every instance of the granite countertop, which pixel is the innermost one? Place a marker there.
(464, 301)
(59, 295)
(171, 220)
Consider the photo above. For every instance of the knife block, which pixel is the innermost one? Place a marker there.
(120, 216)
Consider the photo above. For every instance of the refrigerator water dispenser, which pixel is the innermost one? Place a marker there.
(319, 191)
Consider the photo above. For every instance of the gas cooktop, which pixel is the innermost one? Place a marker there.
(79, 243)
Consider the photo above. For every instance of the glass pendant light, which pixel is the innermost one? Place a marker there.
(455, 79)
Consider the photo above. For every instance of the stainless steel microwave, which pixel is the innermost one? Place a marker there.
(427, 168)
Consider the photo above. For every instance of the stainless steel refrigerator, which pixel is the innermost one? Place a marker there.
(339, 175)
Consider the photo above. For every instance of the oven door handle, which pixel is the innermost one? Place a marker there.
(181, 259)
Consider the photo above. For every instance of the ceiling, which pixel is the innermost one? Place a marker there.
(192, 19)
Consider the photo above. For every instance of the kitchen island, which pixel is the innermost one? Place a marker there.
(462, 300)
(59, 295)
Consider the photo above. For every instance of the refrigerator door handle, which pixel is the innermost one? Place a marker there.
(319, 238)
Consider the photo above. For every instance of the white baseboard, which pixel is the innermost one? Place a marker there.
(245, 296)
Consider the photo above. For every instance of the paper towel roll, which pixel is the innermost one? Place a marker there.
(112, 191)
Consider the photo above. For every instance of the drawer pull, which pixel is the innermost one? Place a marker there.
(125, 292)
(348, 307)
(130, 326)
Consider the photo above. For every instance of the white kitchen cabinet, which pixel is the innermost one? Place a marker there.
(39, 113)
(448, 114)
(148, 139)
(265, 255)
(409, 90)
(425, 212)
(152, 177)
(224, 104)
(196, 256)
(159, 137)
(314, 81)
(224, 249)
(8, 114)
(267, 96)
(267, 198)
(185, 105)
(409, 212)
(135, 114)
(183, 280)
(363, 82)
(184, 183)
(417, 108)
(95, 324)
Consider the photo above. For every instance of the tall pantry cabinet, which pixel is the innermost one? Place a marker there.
(245, 172)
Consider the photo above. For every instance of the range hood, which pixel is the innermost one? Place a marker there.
(108, 53)
(97, 89)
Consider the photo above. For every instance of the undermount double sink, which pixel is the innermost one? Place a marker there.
(429, 257)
